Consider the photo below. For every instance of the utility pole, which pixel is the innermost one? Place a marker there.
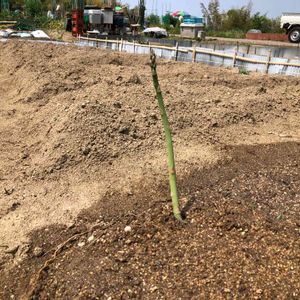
(142, 9)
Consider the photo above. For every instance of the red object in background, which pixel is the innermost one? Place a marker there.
(77, 22)
(268, 36)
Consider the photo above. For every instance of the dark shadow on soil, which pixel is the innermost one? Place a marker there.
(244, 161)
(187, 207)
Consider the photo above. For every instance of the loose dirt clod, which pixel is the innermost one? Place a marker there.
(92, 137)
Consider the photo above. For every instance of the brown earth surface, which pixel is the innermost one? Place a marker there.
(84, 203)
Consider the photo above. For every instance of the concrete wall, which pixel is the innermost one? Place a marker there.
(190, 32)
(267, 36)
(250, 62)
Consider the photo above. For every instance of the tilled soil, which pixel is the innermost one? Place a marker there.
(84, 184)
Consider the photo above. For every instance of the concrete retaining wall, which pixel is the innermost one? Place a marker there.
(267, 36)
(246, 62)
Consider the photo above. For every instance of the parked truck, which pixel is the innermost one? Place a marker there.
(291, 23)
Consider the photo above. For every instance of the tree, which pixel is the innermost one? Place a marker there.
(205, 14)
(33, 8)
(238, 19)
(169, 21)
(142, 9)
(215, 18)
(276, 26)
(132, 13)
(261, 22)
(153, 20)
(4, 5)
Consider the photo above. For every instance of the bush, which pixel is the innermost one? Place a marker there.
(33, 22)
(33, 8)
(234, 34)
(243, 71)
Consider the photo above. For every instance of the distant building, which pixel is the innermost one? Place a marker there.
(191, 30)
(192, 27)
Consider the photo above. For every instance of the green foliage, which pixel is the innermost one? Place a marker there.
(243, 71)
(51, 24)
(171, 24)
(6, 16)
(174, 30)
(33, 8)
(237, 21)
(142, 9)
(153, 20)
(264, 24)
(39, 22)
(276, 26)
(234, 34)
(215, 18)
(261, 22)
(32, 23)
(4, 5)
(169, 21)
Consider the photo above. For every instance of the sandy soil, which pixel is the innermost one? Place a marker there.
(83, 157)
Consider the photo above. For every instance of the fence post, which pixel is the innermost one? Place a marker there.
(194, 54)
(121, 45)
(106, 43)
(133, 45)
(176, 51)
(248, 49)
(234, 58)
(268, 61)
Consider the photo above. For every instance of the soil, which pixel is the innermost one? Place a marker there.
(85, 209)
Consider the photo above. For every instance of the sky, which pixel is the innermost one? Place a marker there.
(273, 8)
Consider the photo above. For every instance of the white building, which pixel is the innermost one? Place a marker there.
(192, 31)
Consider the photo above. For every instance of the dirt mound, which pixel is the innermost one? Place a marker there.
(81, 134)
(241, 238)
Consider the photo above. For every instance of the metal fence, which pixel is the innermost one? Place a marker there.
(230, 58)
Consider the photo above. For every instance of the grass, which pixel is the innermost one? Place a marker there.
(227, 34)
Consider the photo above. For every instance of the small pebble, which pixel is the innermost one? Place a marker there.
(90, 238)
(81, 244)
(127, 229)
(38, 251)
(86, 151)
(153, 289)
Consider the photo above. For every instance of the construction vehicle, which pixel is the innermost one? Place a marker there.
(107, 19)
